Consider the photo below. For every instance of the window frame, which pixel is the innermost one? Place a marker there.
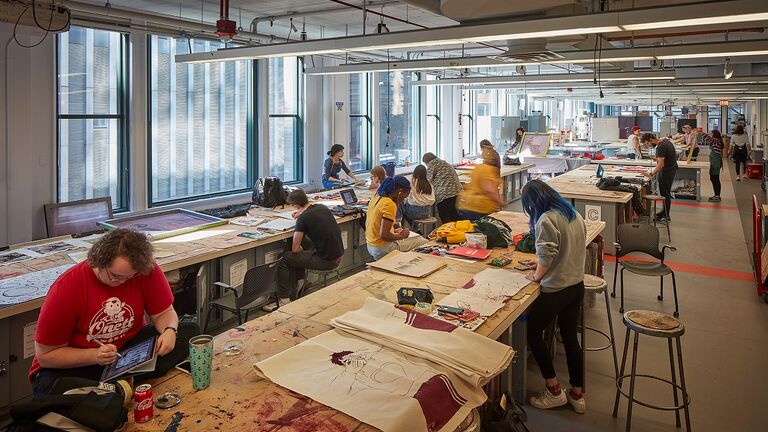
(368, 162)
(298, 125)
(122, 116)
(436, 114)
(251, 133)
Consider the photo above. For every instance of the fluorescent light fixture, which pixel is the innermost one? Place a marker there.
(688, 22)
(613, 55)
(563, 78)
(606, 22)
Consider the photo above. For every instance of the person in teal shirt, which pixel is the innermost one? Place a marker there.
(333, 166)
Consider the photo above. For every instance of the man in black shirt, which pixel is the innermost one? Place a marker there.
(316, 244)
(666, 164)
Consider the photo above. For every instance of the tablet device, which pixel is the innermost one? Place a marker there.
(136, 358)
(349, 196)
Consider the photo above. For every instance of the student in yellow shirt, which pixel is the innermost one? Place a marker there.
(380, 233)
(481, 196)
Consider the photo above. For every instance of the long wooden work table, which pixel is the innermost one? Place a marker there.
(238, 396)
(687, 172)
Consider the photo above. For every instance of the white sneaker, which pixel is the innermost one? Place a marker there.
(269, 307)
(578, 405)
(738, 178)
(546, 400)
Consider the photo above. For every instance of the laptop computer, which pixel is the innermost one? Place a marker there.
(350, 200)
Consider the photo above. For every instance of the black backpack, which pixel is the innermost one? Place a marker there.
(269, 192)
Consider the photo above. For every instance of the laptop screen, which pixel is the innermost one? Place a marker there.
(349, 197)
(600, 172)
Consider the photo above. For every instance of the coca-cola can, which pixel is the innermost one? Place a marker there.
(145, 403)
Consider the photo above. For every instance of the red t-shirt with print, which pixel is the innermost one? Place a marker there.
(79, 308)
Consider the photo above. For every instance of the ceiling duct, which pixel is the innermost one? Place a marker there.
(527, 51)
(465, 11)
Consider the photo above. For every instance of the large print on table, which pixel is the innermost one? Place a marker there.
(166, 223)
(387, 389)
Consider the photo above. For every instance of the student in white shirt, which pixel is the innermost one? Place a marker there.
(633, 144)
(422, 197)
(740, 150)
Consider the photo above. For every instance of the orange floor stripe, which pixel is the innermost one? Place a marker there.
(690, 268)
(702, 205)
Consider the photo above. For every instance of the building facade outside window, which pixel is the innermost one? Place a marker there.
(285, 101)
(200, 133)
(399, 121)
(360, 122)
(92, 106)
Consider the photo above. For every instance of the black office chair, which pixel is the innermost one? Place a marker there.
(259, 286)
(642, 238)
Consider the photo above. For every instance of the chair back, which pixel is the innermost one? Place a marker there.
(638, 238)
(259, 282)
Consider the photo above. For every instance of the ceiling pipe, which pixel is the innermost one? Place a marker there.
(684, 34)
(150, 21)
(289, 15)
(381, 14)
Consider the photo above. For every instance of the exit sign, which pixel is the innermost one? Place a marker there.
(723, 102)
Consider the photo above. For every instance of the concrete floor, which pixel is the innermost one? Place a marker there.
(725, 346)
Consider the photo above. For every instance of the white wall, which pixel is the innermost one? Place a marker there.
(27, 141)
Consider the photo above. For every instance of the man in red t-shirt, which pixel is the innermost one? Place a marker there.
(103, 299)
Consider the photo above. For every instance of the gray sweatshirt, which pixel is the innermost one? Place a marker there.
(561, 246)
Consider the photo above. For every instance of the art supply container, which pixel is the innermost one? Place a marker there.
(201, 357)
(477, 241)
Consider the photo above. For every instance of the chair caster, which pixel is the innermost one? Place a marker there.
(660, 298)
(613, 295)
(621, 310)
(676, 314)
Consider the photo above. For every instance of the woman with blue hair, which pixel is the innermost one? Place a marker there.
(380, 233)
(560, 254)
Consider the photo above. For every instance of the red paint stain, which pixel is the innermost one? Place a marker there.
(695, 269)
(308, 416)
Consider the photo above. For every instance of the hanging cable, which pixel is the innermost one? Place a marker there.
(47, 29)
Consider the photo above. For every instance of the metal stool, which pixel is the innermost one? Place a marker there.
(652, 215)
(423, 223)
(321, 274)
(659, 325)
(597, 285)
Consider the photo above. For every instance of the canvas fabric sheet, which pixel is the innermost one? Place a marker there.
(488, 292)
(411, 264)
(474, 357)
(385, 388)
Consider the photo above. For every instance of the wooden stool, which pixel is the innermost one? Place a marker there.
(652, 214)
(422, 224)
(653, 324)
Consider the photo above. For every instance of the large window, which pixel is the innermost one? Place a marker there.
(200, 129)
(399, 120)
(467, 123)
(360, 125)
(285, 125)
(432, 120)
(92, 116)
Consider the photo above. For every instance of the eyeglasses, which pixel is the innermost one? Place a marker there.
(116, 277)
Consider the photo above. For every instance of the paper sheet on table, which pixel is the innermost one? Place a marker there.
(491, 288)
(279, 224)
(29, 286)
(247, 221)
(284, 214)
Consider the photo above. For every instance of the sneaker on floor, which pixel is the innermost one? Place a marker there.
(738, 178)
(714, 199)
(271, 307)
(284, 301)
(578, 405)
(546, 400)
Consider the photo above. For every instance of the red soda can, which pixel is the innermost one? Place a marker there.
(145, 403)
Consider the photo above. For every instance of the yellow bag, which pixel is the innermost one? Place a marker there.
(453, 232)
